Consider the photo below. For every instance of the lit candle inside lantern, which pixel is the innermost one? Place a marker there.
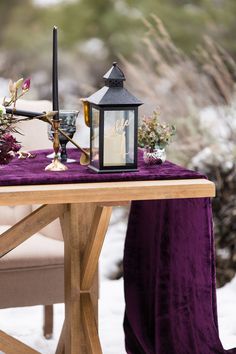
(114, 149)
(55, 101)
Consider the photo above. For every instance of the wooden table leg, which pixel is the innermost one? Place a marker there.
(93, 247)
(90, 325)
(89, 277)
(84, 227)
(72, 227)
(61, 343)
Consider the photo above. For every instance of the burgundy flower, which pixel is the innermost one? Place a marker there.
(5, 155)
(11, 141)
(26, 85)
(8, 146)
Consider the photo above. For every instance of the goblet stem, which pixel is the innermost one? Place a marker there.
(56, 143)
(63, 152)
(56, 165)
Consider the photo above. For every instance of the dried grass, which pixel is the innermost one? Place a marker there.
(164, 76)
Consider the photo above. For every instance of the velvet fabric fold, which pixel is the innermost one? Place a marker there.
(32, 171)
(169, 272)
(169, 279)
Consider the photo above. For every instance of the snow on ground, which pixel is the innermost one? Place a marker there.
(25, 324)
(226, 300)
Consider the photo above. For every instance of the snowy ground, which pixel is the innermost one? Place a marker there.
(26, 323)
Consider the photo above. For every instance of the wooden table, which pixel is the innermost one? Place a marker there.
(84, 210)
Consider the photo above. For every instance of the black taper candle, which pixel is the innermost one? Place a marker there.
(18, 112)
(55, 101)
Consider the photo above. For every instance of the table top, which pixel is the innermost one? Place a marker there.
(26, 182)
(106, 192)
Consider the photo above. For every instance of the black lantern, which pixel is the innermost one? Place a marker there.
(112, 114)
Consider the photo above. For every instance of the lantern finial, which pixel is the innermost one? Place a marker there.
(114, 77)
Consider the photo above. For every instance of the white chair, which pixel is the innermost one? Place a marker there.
(33, 273)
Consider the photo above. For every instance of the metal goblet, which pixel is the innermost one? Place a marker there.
(68, 125)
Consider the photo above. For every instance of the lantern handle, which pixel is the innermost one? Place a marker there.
(86, 111)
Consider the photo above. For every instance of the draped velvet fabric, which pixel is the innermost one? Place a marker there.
(169, 269)
(31, 171)
(169, 279)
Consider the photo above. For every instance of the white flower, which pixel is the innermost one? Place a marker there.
(2, 110)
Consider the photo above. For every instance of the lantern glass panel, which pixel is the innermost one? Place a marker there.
(118, 137)
(95, 136)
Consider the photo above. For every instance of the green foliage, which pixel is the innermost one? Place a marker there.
(117, 23)
(87, 19)
(188, 21)
(152, 133)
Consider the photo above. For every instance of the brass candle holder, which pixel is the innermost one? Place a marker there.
(48, 118)
(56, 165)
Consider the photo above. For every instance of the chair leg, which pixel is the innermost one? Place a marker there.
(48, 321)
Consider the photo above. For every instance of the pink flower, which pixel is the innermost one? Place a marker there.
(26, 85)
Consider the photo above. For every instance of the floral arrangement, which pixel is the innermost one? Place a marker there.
(8, 144)
(154, 134)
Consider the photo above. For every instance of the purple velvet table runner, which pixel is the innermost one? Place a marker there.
(169, 266)
(31, 171)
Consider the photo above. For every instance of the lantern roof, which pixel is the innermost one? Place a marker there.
(113, 93)
(115, 73)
